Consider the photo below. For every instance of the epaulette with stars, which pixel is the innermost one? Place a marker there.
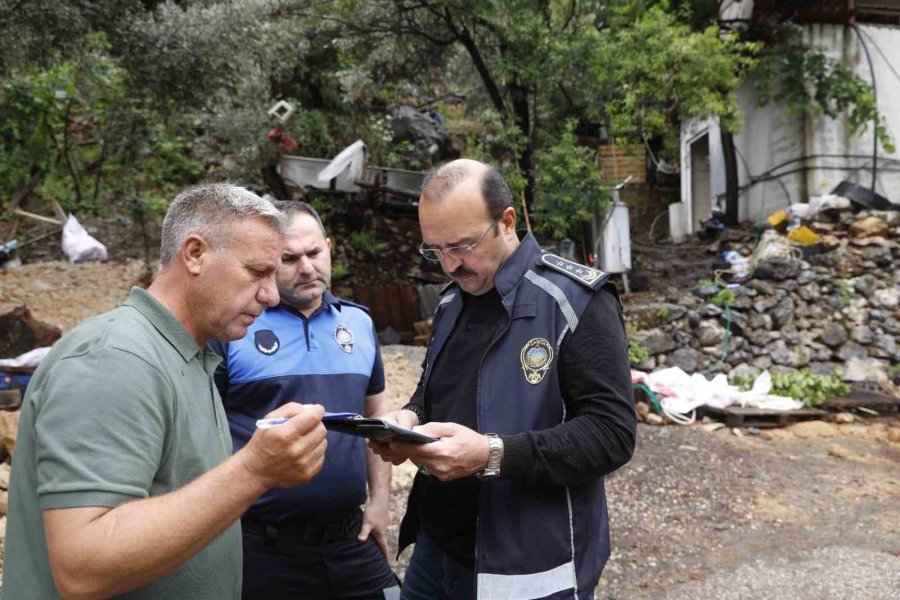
(586, 276)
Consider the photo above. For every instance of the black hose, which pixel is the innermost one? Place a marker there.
(865, 46)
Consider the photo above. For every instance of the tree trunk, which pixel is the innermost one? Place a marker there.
(275, 183)
(522, 117)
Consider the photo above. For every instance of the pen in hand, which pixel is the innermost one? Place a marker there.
(268, 423)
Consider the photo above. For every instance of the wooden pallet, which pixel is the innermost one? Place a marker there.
(736, 416)
(868, 400)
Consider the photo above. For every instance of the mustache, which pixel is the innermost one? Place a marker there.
(461, 271)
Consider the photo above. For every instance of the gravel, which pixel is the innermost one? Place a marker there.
(832, 573)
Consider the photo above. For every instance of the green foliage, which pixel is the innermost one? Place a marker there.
(809, 388)
(338, 272)
(636, 352)
(653, 72)
(845, 289)
(805, 386)
(743, 381)
(663, 312)
(569, 188)
(810, 83)
(894, 372)
(723, 297)
(78, 126)
(363, 241)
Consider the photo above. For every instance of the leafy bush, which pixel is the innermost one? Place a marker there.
(636, 352)
(78, 126)
(569, 188)
(363, 241)
(805, 386)
(338, 272)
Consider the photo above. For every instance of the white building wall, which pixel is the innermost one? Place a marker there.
(771, 137)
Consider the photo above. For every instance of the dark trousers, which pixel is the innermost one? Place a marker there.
(432, 575)
(285, 563)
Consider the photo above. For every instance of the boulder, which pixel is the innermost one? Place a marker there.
(868, 227)
(778, 268)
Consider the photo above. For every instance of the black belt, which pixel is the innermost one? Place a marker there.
(308, 533)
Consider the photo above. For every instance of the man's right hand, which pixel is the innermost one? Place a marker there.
(289, 454)
(404, 418)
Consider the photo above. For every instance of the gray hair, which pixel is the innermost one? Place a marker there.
(210, 210)
(440, 182)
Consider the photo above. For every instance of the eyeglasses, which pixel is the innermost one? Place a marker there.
(435, 254)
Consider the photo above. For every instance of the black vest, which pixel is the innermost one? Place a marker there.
(531, 541)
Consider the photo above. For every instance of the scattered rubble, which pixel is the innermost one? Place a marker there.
(821, 309)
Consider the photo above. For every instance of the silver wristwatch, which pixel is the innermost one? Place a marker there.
(495, 454)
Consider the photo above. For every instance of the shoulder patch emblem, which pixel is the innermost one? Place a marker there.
(344, 338)
(585, 275)
(536, 357)
(266, 341)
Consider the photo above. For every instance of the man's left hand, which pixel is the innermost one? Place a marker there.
(459, 452)
(375, 522)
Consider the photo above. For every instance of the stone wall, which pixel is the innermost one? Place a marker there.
(838, 306)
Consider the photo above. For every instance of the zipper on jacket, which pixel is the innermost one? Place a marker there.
(481, 491)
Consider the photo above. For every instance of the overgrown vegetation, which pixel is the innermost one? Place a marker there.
(363, 241)
(115, 104)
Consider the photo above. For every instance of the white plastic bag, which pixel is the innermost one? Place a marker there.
(78, 244)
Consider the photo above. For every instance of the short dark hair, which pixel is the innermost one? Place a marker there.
(293, 207)
(439, 182)
(495, 191)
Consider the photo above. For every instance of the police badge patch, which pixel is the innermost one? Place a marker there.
(266, 342)
(344, 338)
(536, 357)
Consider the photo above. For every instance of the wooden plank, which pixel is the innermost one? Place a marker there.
(409, 300)
(25, 213)
(736, 416)
(391, 295)
(863, 398)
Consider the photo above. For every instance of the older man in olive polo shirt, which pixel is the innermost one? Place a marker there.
(123, 482)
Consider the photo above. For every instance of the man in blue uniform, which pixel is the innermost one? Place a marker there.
(526, 382)
(313, 541)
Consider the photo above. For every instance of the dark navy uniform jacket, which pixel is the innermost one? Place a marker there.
(531, 541)
(332, 359)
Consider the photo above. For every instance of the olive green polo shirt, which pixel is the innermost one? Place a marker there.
(123, 408)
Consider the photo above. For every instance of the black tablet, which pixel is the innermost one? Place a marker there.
(374, 429)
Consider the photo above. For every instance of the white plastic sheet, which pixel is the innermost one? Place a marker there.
(353, 156)
(79, 245)
(32, 358)
(681, 394)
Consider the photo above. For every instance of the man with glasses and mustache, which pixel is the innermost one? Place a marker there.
(527, 384)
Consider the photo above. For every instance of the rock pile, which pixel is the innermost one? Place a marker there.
(836, 306)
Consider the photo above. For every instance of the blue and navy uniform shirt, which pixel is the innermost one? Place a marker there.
(331, 358)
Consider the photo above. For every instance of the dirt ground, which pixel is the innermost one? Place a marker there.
(810, 511)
